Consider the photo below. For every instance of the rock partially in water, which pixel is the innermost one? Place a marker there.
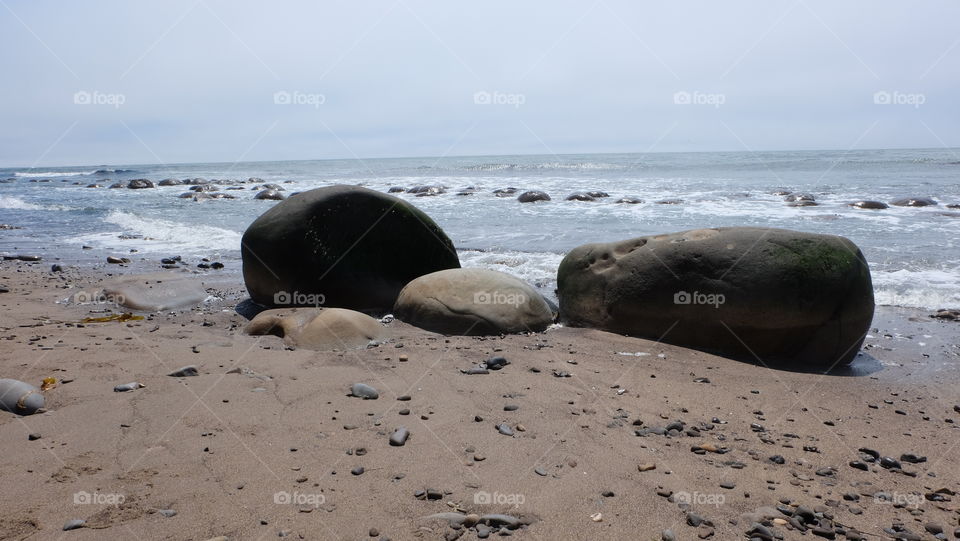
(913, 202)
(533, 196)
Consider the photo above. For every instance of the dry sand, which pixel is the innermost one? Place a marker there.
(262, 424)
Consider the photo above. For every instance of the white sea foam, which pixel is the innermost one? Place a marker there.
(927, 289)
(47, 174)
(163, 236)
(10, 202)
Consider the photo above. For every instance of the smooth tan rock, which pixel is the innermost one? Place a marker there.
(318, 328)
(472, 302)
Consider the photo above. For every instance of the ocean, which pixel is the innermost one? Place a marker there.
(913, 252)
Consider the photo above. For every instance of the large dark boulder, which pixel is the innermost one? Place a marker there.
(346, 246)
(771, 294)
(473, 302)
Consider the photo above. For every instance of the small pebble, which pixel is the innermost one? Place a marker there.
(364, 391)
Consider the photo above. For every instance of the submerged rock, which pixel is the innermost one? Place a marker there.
(533, 197)
(913, 202)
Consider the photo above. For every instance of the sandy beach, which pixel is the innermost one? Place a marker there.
(265, 441)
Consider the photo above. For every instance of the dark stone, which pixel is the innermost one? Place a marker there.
(356, 247)
(869, 205)
(533, 197)
(914, 202)
(139, 184)
(646, 286)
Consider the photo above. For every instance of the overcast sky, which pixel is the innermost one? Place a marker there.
(208, 80)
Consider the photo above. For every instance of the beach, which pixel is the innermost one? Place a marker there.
(266, 442)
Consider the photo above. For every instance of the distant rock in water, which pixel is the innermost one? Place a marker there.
(877, 205)
(318, 328)
(914, 202)
(272, 195)
(349, 246)
(427, 191)
(533, 197)
(472, 302)
(669, 202)
(799, 197)
(630, 200)
(598, 195)
(580, 196)
(504, 192)
(780, 295)
(170, 182)
(140, 183)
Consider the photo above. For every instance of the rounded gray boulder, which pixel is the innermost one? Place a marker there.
(472, 302)
(762, 294)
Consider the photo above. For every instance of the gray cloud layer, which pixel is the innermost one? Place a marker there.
(217, 80)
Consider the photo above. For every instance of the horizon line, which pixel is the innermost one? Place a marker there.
(361, 159)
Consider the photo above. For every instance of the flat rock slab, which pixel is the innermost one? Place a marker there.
(321, 329)
(156, 292)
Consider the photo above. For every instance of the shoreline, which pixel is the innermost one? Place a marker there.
(262, 420)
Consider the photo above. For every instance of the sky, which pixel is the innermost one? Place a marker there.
(103, 82)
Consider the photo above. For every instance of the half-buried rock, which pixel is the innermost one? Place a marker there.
(745, 292)
(19, 397)
(318, 328)
(154, 292)
(472, 302)
(349, 246)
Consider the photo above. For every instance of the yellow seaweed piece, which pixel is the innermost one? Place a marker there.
(126, 316)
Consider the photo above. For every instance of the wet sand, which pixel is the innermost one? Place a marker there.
(263, 441)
